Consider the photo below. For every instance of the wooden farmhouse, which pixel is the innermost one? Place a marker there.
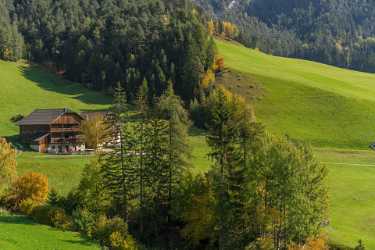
(53, 131)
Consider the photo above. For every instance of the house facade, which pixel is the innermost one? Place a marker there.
(53, 131)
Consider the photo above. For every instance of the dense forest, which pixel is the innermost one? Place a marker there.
(100, 43)
(337, 32)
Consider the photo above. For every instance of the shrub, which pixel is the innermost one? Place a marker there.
(16, 118)
(59, 219)
(113, 233)
(52, 216)
(85, 222)
(32, 187)
(41, 214)
(54, 199)
(27, 206)
(70, 202)
(7, 164)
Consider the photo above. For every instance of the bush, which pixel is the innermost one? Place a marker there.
(27, 206)
(41, 214)
(70, 202)
(113, 233)
(7, 164)
(85, 222)
(59, 219)
(16, 118)
(52, 216)
(32, 187)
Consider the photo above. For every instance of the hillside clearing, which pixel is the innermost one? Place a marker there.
(321, 104)
(25, 88)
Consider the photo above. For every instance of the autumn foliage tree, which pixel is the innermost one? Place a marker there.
(94, 131)
(7, 163)
(224, 29)
(31, 187)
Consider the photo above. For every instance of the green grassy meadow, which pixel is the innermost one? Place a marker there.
(24, 88)
(325, 105)
(351, 181)
(20, 233)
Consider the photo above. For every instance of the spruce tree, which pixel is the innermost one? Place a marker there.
(170, 108)
(223, 132)
(118, 166)
(141, 128)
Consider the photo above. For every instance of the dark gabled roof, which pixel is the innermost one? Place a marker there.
(43, 116)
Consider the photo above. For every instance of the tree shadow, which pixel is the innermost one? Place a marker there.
(54, 83)
(17, 143)
(82, 242)
(24, 220)
(16, 219)
(194, 131)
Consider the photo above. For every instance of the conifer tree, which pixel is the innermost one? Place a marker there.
(170, 108)
(141, 127)
(118, 167)
(223, 132)
(156, 173)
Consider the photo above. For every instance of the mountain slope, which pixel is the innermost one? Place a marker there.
(324, 105)
(337, 32)
(24, 88)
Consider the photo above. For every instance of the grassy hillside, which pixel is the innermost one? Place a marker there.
(328, 107)
(20, 233)
(23, 89)
(324, 105)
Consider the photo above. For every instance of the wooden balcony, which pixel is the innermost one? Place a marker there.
(69, 140)
(65, 130)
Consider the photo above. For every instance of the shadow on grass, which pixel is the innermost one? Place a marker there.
(23, 220)
(16, 219)
(82, 242)
(194, 131)
(16, 142)
(54, 83)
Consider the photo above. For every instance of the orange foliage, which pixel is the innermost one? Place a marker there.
(230, 30)
(319, 243)
(207, 79)
(223, 29)
(219, 65)
(7, 163)
(32, 187)
(7, 54)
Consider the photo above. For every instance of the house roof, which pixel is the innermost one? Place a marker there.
(44, 116)
(42, 137)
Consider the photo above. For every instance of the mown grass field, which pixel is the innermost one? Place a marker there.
(20, 233)
(351, 181)
(324, 105)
